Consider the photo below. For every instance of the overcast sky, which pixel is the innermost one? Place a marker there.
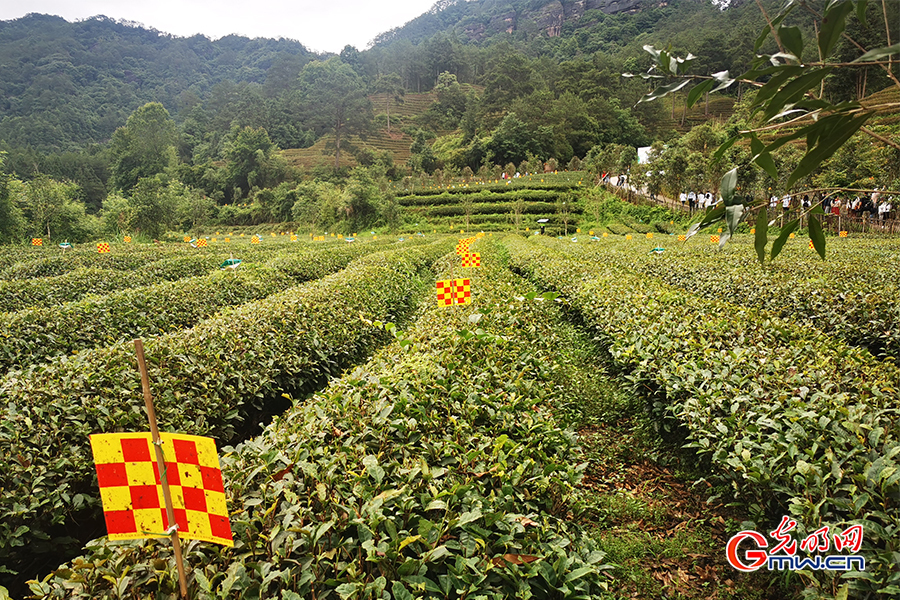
(326, 25)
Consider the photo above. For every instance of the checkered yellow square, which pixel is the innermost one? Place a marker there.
(471, 259)
(131, 492)
(454, 291)
(462, 291)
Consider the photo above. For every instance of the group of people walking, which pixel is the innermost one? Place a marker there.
(696, 200)
(876, 206)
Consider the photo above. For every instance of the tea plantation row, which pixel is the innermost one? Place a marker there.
(213, 379)
(436, 470)
(854, 295)
(35, 335)
(796, 421)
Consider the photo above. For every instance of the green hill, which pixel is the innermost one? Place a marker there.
(64, 86)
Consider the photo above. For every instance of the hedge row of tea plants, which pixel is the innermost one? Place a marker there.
(54, 261)
(504, 197)
(60, 262)
(796, 421)
(513, 185)
(436, 470)
(17, 294)
(860, 313)
(215, 379)
(29, 337)
(528, 208)
(854, 297)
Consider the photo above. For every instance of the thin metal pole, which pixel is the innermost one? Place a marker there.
(161, 463)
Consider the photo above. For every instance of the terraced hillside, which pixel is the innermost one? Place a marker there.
(396, 142)
(682, 120)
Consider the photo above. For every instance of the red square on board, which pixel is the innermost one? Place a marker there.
(180, 518)
(194, 499)
(144, 496)
(220, 526)
(112, 475)
(119, 521)
(186, 452)
(136, 450)
(212, 479)
(172, 475)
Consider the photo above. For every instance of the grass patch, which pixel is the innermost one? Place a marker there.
(640, 501)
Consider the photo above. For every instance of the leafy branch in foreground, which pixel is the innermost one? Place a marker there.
(791, 104)
(732, 210)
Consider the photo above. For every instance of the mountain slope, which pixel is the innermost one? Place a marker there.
(66, 85)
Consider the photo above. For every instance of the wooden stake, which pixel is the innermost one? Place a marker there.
(161, 463)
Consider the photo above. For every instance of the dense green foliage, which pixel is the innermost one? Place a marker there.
(516, 87)
(66, 85)
(436, 470)
(34, 335)
(796, 421)
(849, 299)
(214, 379)
(18, 294)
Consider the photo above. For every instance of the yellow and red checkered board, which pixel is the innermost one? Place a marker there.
(37, 242)
(127, 239)
(130, 489)
(454, 291)
(713, 239)
(471, 259)
(463, 246)
(201, 243)
(103, 247)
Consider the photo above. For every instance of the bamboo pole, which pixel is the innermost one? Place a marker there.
(161, 463)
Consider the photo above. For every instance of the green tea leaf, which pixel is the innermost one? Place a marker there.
(879, 53)
(786, 231)
(833, 24)
(761, 236)
(817, 235)
(727, 187)
(792, 39)
(698, 90)
(762, 158)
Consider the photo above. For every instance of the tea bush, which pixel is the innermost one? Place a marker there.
(796, 421)
(436, 470)
(32, 336)
(214, 379)
(18, 294)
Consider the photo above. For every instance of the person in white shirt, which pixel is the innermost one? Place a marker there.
(786, 203)
(884, 209)
(773, 202)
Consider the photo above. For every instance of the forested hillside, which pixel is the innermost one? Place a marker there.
(67, 85)
(108, 115)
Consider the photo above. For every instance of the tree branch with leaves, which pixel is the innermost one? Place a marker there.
(789, 104)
